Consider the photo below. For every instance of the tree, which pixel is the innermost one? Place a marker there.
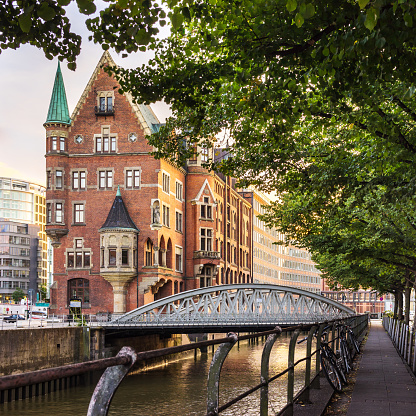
(44, 24)
(18, 295)
(43, 291)
(314, 100)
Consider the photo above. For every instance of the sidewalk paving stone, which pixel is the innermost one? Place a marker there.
(384, 386)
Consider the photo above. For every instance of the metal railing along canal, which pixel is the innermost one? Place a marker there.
(116, 368)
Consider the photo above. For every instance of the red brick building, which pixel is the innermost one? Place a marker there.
(126, 228)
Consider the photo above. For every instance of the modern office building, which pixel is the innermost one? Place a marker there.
(19, 256)
(24, 202)
(273, 262)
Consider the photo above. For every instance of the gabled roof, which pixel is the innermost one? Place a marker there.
(118, 217)
(204, 186)
(144, 113)
(58, 106)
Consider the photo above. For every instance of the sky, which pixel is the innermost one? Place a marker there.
(26, 82)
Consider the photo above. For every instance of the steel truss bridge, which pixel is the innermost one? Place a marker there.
(237, 307)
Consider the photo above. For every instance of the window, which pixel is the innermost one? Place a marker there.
(178, 222)
(79, 180)
(48, 213)
(48, 179)
(112, 256)
(79, 213)
(124, 257)
(206, 209)
(78, 257)
(105, 179)
(206, 239)
(178, 259)
(105, 143)
(133, 179)
(62, 144)
(179, 191)
(105, 104)
(58, 179)
(166, 183)
(204, 154)
(205, 278)
(79, 289)
(148, 258)
(165, 215)
(54, 145)
(59, 212)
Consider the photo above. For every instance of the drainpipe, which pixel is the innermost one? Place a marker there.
(137, 267)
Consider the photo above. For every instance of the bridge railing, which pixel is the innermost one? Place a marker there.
(116, 368)
(404, 339)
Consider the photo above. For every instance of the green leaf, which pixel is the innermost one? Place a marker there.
(63, 2)
(371, 18)
(177, 20)
(45, 12)
(380, 42)
(309, 11)
(291, 5)
(409, 93)
(25, 22)
(123, 3)
(86, 6)
(408, 20)
(362, 3)
(299, 20)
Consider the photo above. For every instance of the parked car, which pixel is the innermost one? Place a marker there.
(13, 318)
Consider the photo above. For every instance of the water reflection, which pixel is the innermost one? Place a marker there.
(178, 388)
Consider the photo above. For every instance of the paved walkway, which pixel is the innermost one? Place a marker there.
(383, 387)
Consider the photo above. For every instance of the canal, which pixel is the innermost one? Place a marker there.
(179, 387)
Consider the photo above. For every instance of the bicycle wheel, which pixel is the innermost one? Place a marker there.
(337, 362)
(354, 341)
(346, 356)
(331, 373)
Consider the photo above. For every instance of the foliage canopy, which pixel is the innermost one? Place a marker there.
(314, 100)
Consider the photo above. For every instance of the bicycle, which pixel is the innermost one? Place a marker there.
(353, 340)
(330, 364)
(344, 350)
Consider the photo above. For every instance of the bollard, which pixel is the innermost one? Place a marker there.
(108, 384)
(213, 384)
(264, 376)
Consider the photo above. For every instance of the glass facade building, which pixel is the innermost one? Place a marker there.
(25, 202)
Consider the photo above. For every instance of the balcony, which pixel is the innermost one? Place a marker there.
(104, 110)
(207, 255)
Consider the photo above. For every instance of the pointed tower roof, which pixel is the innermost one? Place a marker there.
(58, 107)
(118, 217)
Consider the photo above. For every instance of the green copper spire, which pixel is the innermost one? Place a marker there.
(118, 191)
(58, 107)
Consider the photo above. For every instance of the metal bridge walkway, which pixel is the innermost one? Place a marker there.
(384, 386)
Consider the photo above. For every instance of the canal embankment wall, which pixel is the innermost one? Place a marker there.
(23, 350)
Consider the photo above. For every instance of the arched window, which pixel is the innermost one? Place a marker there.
(79, 289)
(148, 261)
(169, 254)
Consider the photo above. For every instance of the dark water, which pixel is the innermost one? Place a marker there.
(178, 388)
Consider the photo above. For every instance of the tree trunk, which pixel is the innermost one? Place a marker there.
(414, 316)
(396, 304)
(400, 305)
(407, 291)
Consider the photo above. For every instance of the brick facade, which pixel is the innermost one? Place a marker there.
(183, 240)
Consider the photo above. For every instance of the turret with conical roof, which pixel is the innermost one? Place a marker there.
(118, 237)
(118, 217)
(58, 106)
